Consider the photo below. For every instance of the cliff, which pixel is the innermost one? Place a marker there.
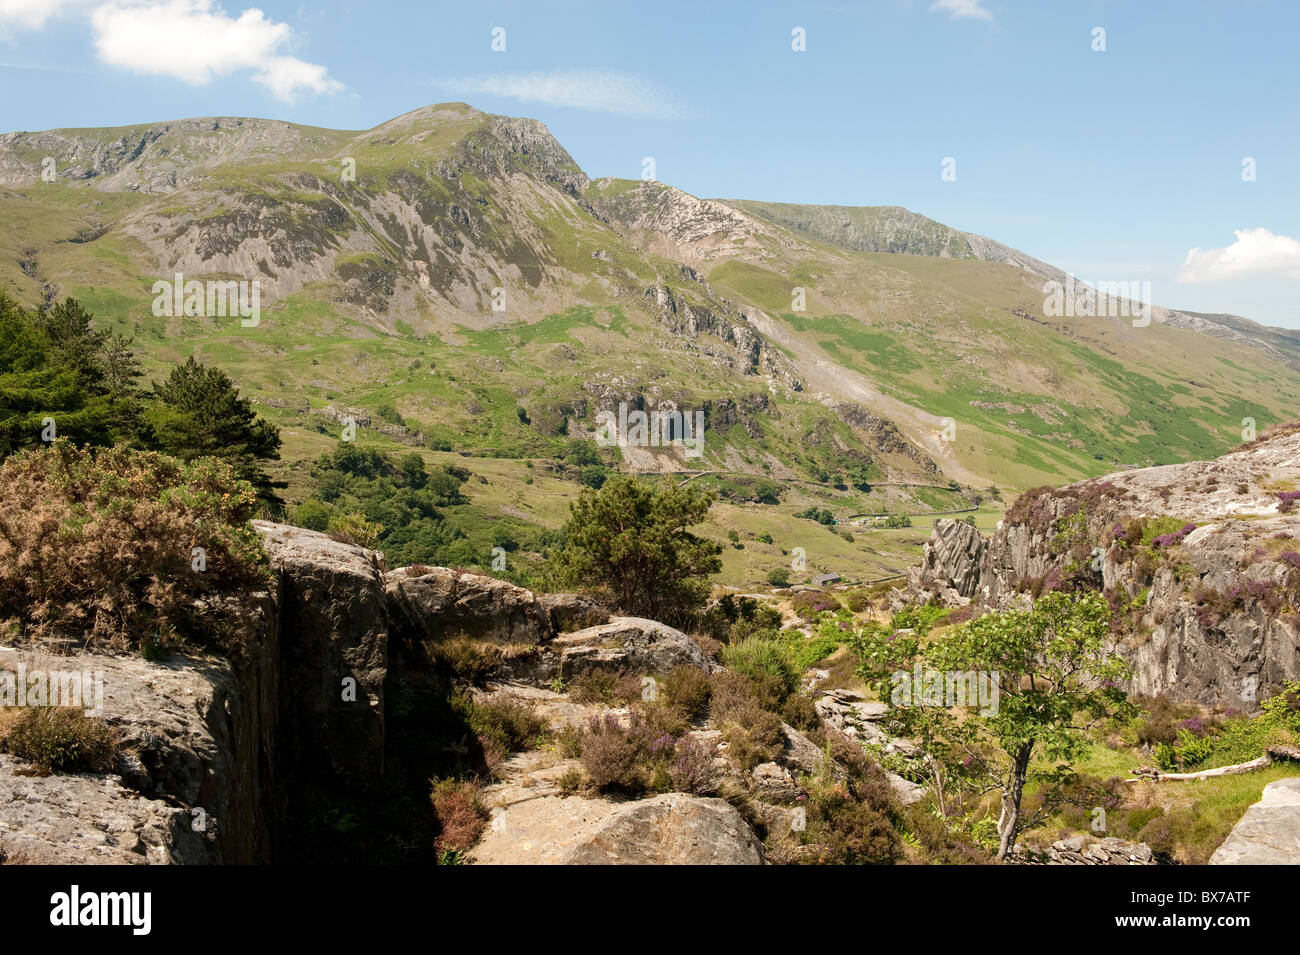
(1199, 562)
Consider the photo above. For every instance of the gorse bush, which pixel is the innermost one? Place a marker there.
(117, 547)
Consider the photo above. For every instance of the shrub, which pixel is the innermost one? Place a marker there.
(459, 817)
(800, 712)
(313, 515)
(819, 514)
(729, 692)
(604, 686)
(470, 661)
(60, 739)
(858, 599)
(850, 832)
(766, 663)
(808, 603)
(569, 741)
(506, 722)
(807, 652)
(691, 768)
(1173, 539)
(104, 544)
(753, 736)
(615, 755)
(571, 781)
(353, 528)
(778, 577)
(1160, 724)
(687, 688)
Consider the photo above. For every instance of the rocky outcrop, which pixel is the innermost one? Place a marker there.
(1269, 832)
(197, 769)
(91, 819)
(951, 563)
(333, 653)
(437, 603)
(731, 338)
(1199, 561)
(1082, 850)
(625, 645)
(319, 714)
(849, 712)
(633, 644)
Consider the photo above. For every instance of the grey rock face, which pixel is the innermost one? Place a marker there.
(951, 563)
(569, 612)
(1212, 622)
(1269, 832)
(333, 652)
(673, 829)
(91, 819)
(189, 790)
(440, 604)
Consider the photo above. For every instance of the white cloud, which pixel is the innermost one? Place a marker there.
(195, 41)
(1256, 252)
(32, 13)
(599, 91)
(962, 9)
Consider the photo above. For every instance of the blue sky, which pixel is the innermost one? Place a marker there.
(1114, 165)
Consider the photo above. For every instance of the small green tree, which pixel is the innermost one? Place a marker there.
(55, 367)
(1056, 675)
(630, 541)
(200, 414)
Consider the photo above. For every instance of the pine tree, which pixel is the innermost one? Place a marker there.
(200, 413)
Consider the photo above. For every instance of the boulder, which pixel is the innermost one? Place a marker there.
(569, 612)
(437, 603)
(633, 644)
(1269, 832)
(852, 716)
(672, 829)
(951, 563)
(773, 782)
(906, 791)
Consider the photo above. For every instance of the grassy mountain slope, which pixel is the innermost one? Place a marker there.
(477, 286)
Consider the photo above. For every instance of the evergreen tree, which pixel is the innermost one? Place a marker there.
(629, 540)
(199, 413)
